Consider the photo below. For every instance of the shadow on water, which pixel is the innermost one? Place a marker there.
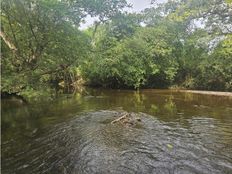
(179, 133)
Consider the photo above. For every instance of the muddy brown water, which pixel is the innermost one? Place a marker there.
(179, 133)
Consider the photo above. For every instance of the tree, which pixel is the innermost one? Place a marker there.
(216, 70)
(41, 40)
(34, 32)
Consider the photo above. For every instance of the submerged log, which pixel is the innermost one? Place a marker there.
(120, 118)
(129, 120)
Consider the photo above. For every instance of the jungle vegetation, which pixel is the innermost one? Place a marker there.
(182, 43)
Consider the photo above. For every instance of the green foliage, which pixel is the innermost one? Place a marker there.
(216, 71)
(143, 59)
(42, 43)
(184, 43)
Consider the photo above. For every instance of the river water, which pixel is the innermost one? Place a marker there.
(179, 133)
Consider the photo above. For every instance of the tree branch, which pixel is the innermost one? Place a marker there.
(8, 41)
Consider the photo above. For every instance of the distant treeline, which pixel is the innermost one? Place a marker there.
(179, 43)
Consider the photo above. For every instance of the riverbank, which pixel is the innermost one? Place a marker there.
(215, 93)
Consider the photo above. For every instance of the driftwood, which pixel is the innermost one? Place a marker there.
(120, 118)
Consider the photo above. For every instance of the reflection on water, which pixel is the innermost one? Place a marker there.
(179, 133)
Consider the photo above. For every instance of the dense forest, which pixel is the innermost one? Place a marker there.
(179, 43)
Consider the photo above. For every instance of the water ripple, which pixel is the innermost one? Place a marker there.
(90, 144)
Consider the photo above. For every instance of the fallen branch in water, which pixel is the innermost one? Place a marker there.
(120, 118)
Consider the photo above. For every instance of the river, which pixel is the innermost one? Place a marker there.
(178, 133)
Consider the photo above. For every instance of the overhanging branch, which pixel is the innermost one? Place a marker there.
(8, 42)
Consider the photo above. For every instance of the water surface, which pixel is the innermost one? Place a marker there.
(179, 133)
